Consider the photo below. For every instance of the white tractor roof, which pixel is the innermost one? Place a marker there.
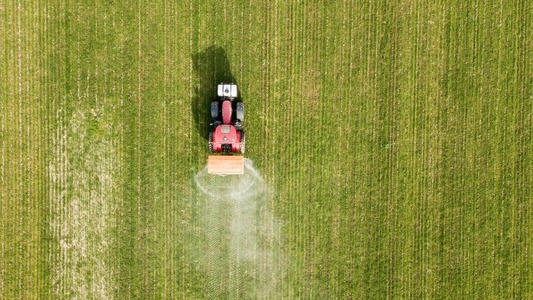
(227, 90)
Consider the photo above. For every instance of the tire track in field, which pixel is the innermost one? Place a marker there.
(83, 173)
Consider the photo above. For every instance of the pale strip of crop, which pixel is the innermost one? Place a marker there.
(83, 175)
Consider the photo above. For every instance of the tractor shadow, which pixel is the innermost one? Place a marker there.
(212, 67)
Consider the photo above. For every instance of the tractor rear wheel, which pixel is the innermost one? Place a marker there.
(240, 111)
(243, 142)
(214, 110)
(211, 142)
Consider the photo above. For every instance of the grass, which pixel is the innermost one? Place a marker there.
(396, 140)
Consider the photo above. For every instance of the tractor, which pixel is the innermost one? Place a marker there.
(226, 136)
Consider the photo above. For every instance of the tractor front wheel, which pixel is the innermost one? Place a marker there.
(214, 110)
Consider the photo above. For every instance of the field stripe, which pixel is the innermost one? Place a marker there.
(84, 168)
(21, 160)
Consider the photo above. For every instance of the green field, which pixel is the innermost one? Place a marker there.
(393, 142)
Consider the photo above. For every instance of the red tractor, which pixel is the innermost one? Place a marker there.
(226, 135)
(227, 116)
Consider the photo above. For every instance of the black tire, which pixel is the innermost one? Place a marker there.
(211, 143)
(240, 111)
(243, 142)
(214, 110)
